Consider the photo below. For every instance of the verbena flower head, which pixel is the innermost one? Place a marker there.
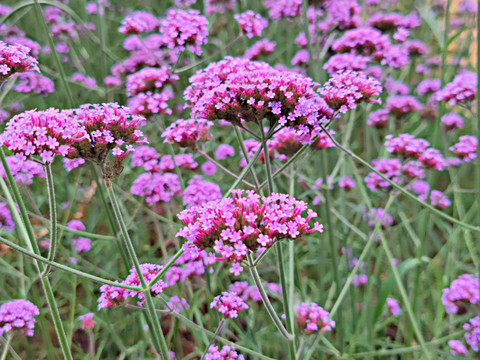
(239, 225)
(251, 23)
(402, 105)
(378, 215)
(112, 295)
(81, 244)
(34, 83)
(451, 121)
(247, 91)
(346, 182)
(223, 151)
(6, 221)
(187, 267)
(344, 62)
(391, 168)
(23, 171)
(199, 192)
(472, 335)
(87, 321)
(311, 318)
(378, 118)
(393, 306)
(70, 164)
(148, 103)
(344, 90)
(428, 86)
(139, 22)
(157, 187)
(393, 21)
(463, 88)
(187, 133)
(149, 79)
(462, 291)
(225, 353)
(18, 315)
(184, 28)
(146, 157)
(250, 292)
(406, 145)
(183, 161)
(457, 348)
(111, 129)
(43, 133)
(466, 148)
(278, 9)
(364, 41)
(15, 59)
(261, 47)
(218, 6)
(177, 304)
(228, 304)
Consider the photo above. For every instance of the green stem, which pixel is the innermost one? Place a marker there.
(27, 232)
(6, 345)
(244, 172)
(245, 153)
(268, 305)
(53, 217)
(157, 333)
(165, 268)
(66, 268)
(400, 188)
(266, 157)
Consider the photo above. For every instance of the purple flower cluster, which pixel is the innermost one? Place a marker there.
(188, 266)
(345, 62)
(112, 295)
(378, 215)
(346, 182)
(347, 88)
(311, 317)
(181, 28)
(228, 304)
(251, 23)
(199, 192)
(466, 148)
(462, 291)
(378, 118)
(218, 6)
(250, 292)
(149, 79)
(87, 321)
(428, 86)
(223, 151)
(236, 226)
(6, 221)
(156, 187)
(402, 105)
(15, 59)
(463, 88)
(391, 168)
(260, 47)
(393, 306)
(34, 83)
(238, 90)
(226, 353)
(23, 171)
(278, 9)
(86, 81)
(139, 22)
(18, 315)
(187, 133)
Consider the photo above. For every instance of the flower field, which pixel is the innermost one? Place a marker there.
(236, 179)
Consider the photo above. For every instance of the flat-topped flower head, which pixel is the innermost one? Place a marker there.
(365, 41)
(466, 148)
(344, 62)
(406, 145)
(261, 47)
(149, 79)
(250, 292)
(187, 133)
(18, 315)
(255, 92)
(402, 105)
(15, 59)
(228, 304)
(156, 187)
(199, 192)
(139, 22)
(111, 129)
(278, 9)
(43, 133)
(462, 291)
(112, 295)
(23, 171)
(344, 90)
(225, 353)
(184, 28)
(311, 318)
(251, 23)
(239, 225)
(451, 121)
(463, 88)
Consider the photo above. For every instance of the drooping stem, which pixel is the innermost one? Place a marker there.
(53, 217)
(157, 334)
(268, 305)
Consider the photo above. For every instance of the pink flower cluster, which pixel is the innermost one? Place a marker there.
(393, 306)
(156, 187)
(187, 133)
(261, 47)
(226, 353)
(402, 105)
(188, 266)
(463, 88)
(112, 295)
(18, 315)
(218, 6)
(428, 86)
(344, 90)
(311, 317)
(463, 290)
(87, 321)
(466, 148)
(34, 83)
(378, 118)
(472, 338)
(149, 79)
(239, 90)
(451, 121)
(80, 244)
(139, 22)
(23, 171)
(393, 21)
(250, 292)
(278, 9)
(199, 192)
(236, 226)
(345, 62)
(228, 304)
(181, 28)
(223, 151)
(15, 59)
(86, 81)
(378, 215)
(391, 168)
(251, 23)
